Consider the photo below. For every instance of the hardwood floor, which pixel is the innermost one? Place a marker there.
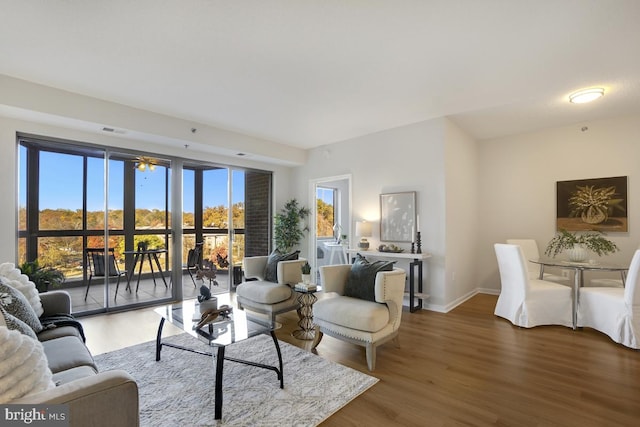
(466, 367)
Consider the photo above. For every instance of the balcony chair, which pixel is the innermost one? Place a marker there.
(269, 292)
(96, 263)
(368, 323)
(614, 311)
(531, 251)
(193, 261)
(529, 302)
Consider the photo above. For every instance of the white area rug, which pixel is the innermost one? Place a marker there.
(179, 389)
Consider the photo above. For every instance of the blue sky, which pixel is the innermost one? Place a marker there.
(61, 185)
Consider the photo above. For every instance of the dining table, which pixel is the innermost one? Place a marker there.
(579, 268)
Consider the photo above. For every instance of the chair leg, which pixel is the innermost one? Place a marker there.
(371, 356)
(192, 279)
(86, 294)
(117, 286)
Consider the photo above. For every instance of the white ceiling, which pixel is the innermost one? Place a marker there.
(308, 73)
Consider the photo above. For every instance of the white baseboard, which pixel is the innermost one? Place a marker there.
(447, 308)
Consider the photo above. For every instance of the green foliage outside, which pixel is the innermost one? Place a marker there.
(324, 219)
(65, 253)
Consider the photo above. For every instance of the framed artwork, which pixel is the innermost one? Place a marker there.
(398, 217)
(598, 204)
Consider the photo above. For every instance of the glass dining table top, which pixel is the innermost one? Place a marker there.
(586, 265)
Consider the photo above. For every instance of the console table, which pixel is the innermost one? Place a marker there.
(415, 267)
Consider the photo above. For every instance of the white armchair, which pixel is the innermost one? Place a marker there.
(529, 302)
(359, 321)
(269, 297)
(614, 311)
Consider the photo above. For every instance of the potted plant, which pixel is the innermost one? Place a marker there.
(306, 273)
(578, 244)
(288, 230)
(42, 277)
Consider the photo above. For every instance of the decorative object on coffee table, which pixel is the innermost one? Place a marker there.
(207, 302)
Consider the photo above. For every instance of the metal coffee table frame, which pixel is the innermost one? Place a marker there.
(208, 334)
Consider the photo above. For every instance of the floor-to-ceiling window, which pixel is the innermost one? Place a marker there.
(64, 209)
(74, 196)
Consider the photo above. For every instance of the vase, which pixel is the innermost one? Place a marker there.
(306, 279)
(577, 254)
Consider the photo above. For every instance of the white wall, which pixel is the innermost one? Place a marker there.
(9, 168)
(518, 176)
(409, 158)
(462, 222)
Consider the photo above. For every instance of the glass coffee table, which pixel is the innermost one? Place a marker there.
(238, 326)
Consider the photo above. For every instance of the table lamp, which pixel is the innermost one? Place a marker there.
(363, 230)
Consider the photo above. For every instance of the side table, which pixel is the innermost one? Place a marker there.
(306, 299)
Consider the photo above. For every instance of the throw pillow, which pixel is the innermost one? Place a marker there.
(23, 366)
(362, 278)
(15, 324)
(17, 305)
(21, 282)
(271, 271)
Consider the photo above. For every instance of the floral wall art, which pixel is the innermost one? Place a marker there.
(592, 204)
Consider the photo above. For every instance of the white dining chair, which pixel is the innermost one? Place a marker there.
(529, 302)
(531, 251)
(614, 311)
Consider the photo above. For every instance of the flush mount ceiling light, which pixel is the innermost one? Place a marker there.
(586, 95)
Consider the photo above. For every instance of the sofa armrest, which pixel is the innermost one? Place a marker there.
(107, 399)
(55, 302)
(254, 267)
(389, 289)
(289, 272)
(334, 277)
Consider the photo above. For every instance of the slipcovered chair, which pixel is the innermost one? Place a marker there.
(531, 251)
(265, 296)
(614, 311)
(359, 321)
(529, 302)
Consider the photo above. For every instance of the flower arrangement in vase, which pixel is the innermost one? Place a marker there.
(577, 245)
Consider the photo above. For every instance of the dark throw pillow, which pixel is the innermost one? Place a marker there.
(14, 303)
(271, 272)
(362, 278)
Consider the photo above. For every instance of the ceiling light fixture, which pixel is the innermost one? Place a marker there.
(586, 95)
(144, 163)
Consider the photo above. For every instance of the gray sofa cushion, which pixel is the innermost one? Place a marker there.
(64, 377)
(57, 332)
(264, 292)
(66, 353)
